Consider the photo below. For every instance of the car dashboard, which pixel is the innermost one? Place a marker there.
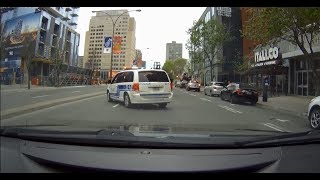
(19, 155)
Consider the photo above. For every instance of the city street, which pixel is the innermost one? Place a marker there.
(190, 109)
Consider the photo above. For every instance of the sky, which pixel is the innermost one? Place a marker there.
(155, 26)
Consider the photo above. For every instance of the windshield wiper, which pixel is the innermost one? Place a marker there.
(261, 130)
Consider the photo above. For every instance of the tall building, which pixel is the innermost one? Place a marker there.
(144, 64)
(230, 17)
(138, 58)
(173, 51)
(100, 30)
(46, 26)
(80, 64)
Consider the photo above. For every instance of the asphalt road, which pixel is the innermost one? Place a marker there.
(20, 97)
(189, 109)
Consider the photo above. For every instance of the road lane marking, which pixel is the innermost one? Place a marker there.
(75, 91)
(275, 127)
(40, 96)
(204, 99)
(193, 95)
(282, 120)
(230, 109)
(115, 105)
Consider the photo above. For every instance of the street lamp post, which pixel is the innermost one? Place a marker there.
(113, 26)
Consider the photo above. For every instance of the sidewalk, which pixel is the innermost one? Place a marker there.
(293, 105)
(14, 87)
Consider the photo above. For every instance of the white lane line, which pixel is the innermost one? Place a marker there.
(75, 91)
(275, 127)
(204, 99)
(272, 127)
(115, 105)
(193, 95)
(282, 120)
(40, 96)
(230, 109)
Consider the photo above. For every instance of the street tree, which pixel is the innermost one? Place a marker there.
(179, 66)
(206, 42)
(28, 55)
(299, 26)
(168, 66)
(58, 61)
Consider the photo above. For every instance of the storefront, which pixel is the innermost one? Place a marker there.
(285, 68)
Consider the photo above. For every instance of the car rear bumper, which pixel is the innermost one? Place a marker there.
(151, 98)
(216, 91)
(247, 98)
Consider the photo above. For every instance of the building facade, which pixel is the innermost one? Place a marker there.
(144, 64)
(138, 58)
(173, 50)
(222, 66)
(80, 62)
(97, 51)
(284, 68)
(52, 30)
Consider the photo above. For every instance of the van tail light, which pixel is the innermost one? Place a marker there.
(239, 92)
(171, 86)
(136, 86)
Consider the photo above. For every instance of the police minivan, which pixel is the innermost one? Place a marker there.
(141, 86)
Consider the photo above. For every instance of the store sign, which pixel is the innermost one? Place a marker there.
(266, 57)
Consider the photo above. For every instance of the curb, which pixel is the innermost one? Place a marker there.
(42, 105)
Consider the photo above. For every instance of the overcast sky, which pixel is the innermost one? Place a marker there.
(155, 26)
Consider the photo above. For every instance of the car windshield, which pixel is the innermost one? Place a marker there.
(156, 71)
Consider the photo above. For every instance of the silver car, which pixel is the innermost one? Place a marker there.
(214, 88)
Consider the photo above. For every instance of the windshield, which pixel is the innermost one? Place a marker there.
(156, 71)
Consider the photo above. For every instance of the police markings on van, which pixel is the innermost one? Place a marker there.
(141, 87)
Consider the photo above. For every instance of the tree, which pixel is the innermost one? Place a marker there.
(28, 55)
(206, 41)
(179, 66)
(298, 26)
(58, 57)
(168, 66)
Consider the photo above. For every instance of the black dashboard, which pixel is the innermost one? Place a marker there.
(27, 156)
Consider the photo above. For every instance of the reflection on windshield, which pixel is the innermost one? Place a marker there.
(108, 73)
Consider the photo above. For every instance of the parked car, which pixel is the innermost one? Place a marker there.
(214, 88)
(193, 85)
(314, 113)
(236, 92)
(177, 84)
(183, 84)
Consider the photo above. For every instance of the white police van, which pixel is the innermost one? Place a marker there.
(141, 86)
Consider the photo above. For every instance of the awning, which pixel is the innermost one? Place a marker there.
(267, 70)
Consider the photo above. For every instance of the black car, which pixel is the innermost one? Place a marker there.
(236, 93)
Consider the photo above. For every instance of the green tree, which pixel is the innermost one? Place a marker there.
(168, 66)
(28, 55)
(179, 66)
(299, 26)
(206, 42)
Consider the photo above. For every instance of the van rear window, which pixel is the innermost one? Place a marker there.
(153, 76)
